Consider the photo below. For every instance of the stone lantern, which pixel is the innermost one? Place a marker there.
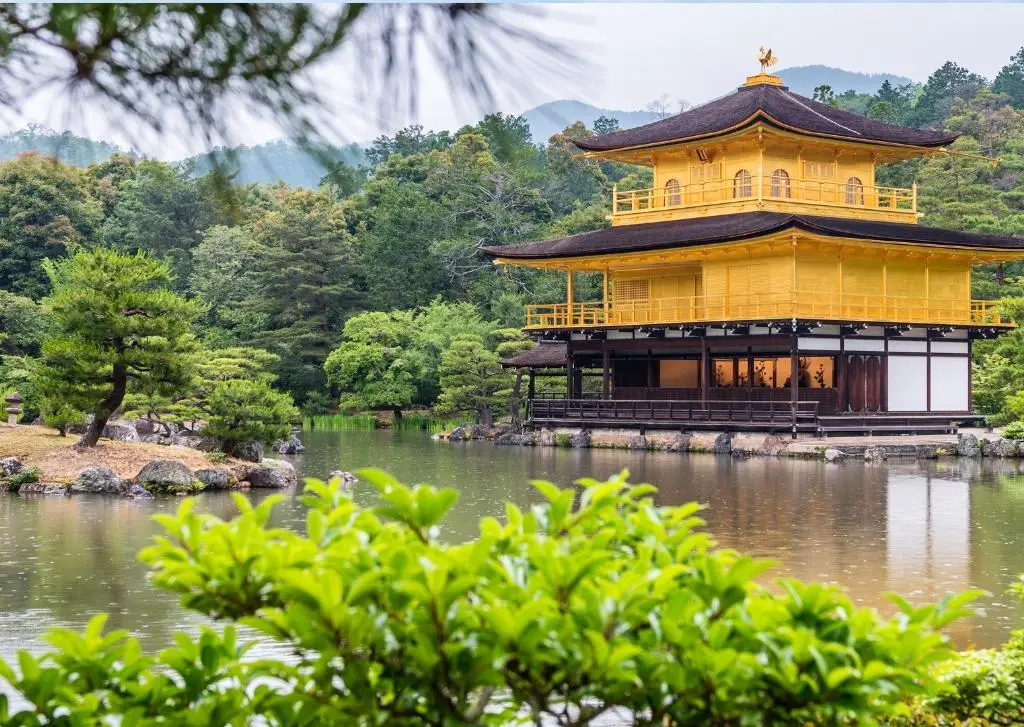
(13, 407)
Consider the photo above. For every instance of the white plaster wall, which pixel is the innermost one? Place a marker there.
(908, 383)
(818, 344)
(861, 344)
(949, 347)
(908, 346)
(949, 384)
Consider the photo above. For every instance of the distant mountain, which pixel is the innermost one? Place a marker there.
(69, 148)
(279, 161)
(549, 119)
(804, 79)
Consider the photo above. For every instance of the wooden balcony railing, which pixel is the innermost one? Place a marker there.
(767, 306)
(788, 414)
(753, 188)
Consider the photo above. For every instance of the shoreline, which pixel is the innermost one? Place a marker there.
(969, 443)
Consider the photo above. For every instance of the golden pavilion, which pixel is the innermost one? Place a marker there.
(764, 282)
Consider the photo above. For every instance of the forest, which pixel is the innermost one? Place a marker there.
(369, 291)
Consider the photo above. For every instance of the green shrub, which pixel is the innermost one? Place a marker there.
(241, 410)
(1014, 430)
(977, 688)
(598, 599)
(563, 440)
(217, 457)
(24, 476)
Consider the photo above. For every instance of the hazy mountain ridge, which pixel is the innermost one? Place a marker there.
(278, 161)
(804, 79)
(550, 118)
(284, 161)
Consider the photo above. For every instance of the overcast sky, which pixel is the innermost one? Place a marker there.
(629, 54)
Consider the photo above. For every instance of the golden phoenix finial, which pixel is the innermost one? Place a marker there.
(766, 58)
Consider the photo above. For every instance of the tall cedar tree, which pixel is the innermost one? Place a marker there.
(309, 283)
(115, 326)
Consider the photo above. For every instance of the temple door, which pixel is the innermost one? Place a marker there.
(864, 383)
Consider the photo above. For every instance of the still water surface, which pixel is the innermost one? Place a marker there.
(920, 528)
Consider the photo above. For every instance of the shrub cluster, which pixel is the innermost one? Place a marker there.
(596, 600)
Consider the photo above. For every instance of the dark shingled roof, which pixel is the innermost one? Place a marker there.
(741, 226)
(775, 105)
(544, 354)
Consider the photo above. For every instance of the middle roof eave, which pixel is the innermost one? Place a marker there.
(740, 226)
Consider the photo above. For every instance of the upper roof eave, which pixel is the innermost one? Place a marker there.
(771, 102)
(753, 120)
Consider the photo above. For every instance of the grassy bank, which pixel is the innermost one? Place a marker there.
(57, 461)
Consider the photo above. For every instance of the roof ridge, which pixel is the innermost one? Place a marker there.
(819, 114)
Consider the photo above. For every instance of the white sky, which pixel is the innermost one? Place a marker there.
(631, 53)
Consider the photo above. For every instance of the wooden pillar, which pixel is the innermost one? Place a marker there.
(651, 379)
(970, 373)
(605, 370)
(531, 387)
(606, 302)
(568, 295)
(705, 371)
(750, 372)
(569, 375)
(794, 377)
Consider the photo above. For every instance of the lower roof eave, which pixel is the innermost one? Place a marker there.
(785, 322)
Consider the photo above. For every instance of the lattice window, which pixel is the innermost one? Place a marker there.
(706, 173)
(854, 191)
(672, 195)
(780, 183)
(819, 170)
(636, 290)
(742, 184)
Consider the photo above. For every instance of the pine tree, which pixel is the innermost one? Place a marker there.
(241, 410)
(1010, 80)
(115, 327)
(472, 379)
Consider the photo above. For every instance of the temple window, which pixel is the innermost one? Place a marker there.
(819, 170)
(780, 183)
(854, 191)
(672, 195)
(742, 186)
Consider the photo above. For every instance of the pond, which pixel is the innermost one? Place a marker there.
(922, 529)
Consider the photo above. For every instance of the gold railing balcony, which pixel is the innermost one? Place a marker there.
(767, 306)
(767, 192)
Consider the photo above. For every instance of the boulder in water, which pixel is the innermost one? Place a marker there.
(292, 445)
(165, 476)
(214, 478)
(250, 451)
(273, 473)
(98, 479)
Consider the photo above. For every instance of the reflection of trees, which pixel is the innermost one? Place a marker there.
(71, 557)
(997, 538)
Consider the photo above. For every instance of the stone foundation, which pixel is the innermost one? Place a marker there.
(746, 444)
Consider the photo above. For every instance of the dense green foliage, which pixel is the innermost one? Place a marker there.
(594, 601)
(113, 321)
